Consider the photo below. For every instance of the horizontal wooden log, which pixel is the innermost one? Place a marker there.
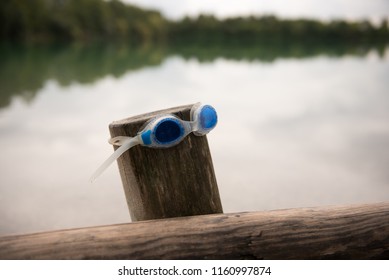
(352, 232)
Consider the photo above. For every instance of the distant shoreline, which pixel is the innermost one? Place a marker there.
(39, 21)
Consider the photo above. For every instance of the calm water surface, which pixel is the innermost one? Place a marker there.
(294, 131)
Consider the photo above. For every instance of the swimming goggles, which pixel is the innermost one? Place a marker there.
(163, 131)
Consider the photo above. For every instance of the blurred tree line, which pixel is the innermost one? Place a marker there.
(78, 20)
(271, 29)
(86, 20)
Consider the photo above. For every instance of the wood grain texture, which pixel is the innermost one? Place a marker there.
(163, 183)
(352, 232)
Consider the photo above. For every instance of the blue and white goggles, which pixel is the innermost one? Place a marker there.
(163, 132)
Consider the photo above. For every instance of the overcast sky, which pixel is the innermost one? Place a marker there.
(329, 9)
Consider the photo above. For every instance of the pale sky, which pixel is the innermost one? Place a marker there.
(325, 10)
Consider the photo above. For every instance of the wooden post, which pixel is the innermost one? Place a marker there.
(172, 182)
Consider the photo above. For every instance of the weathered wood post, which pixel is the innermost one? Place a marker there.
(165, 183)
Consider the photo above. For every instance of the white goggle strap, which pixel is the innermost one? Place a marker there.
(125, 144)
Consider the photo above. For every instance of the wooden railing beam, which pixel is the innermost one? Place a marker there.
(347, 232)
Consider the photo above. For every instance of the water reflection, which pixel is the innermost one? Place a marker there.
(24, 69)
(292, 133)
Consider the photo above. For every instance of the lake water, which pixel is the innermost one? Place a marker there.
(294, 130)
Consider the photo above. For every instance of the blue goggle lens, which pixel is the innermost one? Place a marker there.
(168, 131)
(208, 117)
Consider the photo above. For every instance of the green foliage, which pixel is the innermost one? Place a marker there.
(78, 20)
(86, 20)
(272, 29)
